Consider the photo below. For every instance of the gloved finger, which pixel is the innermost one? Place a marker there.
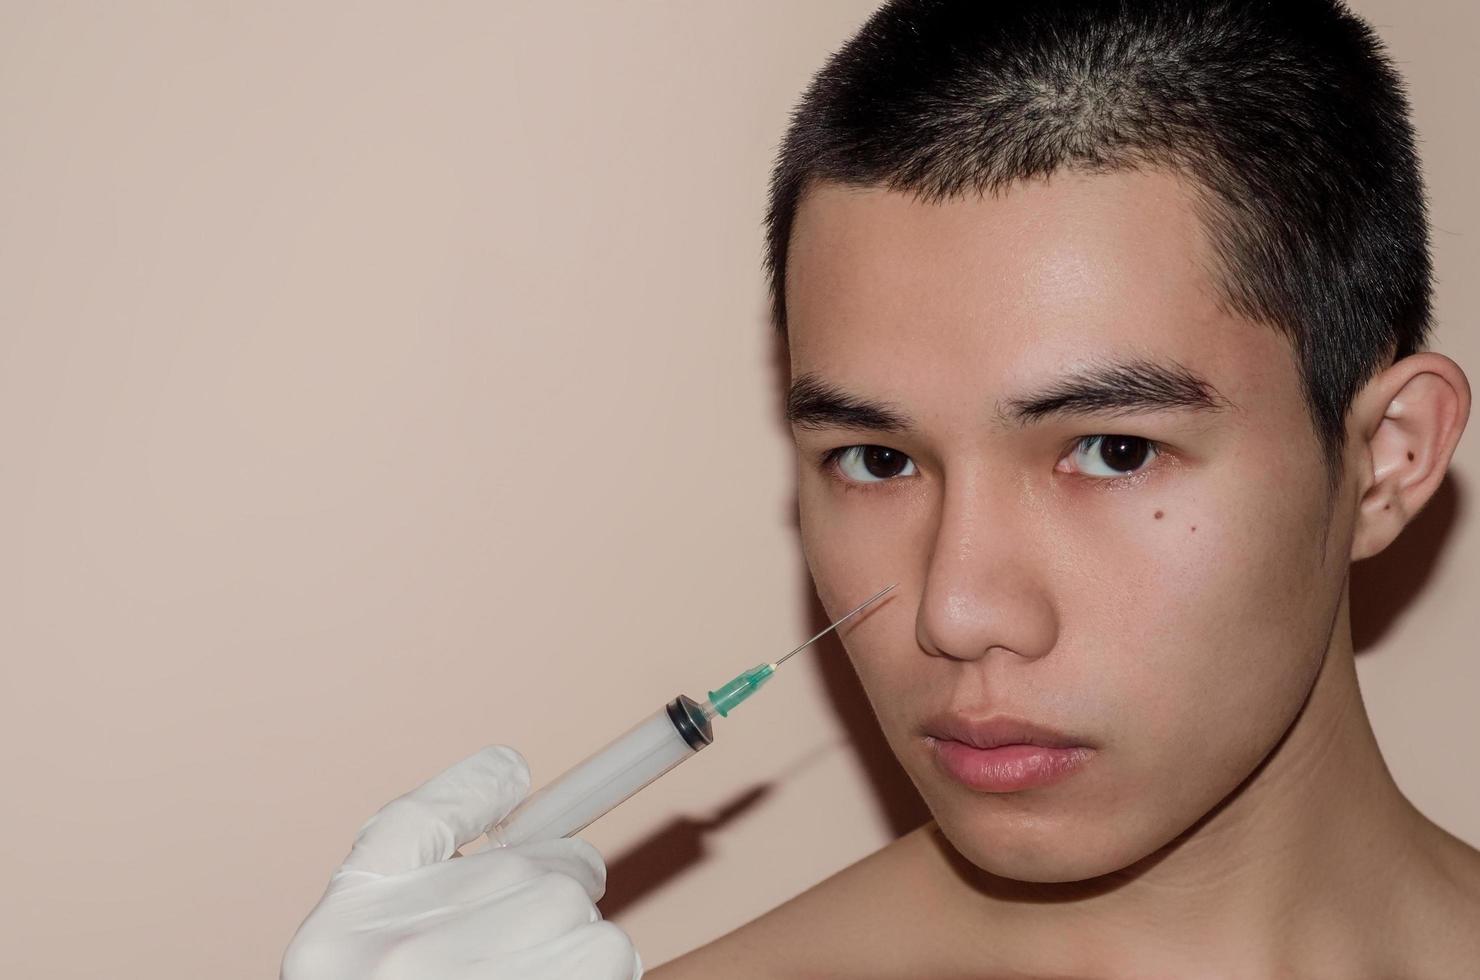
(495, 869)
(573, 857)
(535, 912)
(448, 810)
(599, 951)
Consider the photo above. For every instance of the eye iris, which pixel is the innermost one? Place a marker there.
(883, 462)
(1124, 453)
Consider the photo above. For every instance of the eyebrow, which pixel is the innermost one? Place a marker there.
(816, 404)
(1116, 388)
(1107, 389)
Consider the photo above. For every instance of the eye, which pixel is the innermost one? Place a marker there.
(871, 464)
(1111, 456)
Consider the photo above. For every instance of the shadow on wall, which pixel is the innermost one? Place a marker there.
(666, 853)
(1383, 586)
(682, 842)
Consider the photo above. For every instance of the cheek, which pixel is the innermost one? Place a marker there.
(855, 545)
(1225, 608)
(855, 542)
(832, 552)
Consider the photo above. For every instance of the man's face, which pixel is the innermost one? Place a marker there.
(1155, 601)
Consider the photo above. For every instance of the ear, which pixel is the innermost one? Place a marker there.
(1404, 426)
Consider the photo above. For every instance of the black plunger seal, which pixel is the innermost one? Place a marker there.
(689, 719)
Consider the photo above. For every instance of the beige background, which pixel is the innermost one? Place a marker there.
(378, 381)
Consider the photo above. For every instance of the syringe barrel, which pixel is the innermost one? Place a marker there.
(565, 806)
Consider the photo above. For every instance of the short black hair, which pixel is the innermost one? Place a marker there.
(1286, 114)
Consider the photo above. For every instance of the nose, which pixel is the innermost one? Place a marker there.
(985, 586)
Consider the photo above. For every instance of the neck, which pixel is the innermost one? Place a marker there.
(1251, 888)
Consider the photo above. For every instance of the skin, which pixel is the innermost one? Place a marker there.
(1187, 622)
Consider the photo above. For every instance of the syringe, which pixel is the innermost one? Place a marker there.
(675, 733)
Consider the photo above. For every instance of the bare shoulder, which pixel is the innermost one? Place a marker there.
(1447, 935)
(856, 923)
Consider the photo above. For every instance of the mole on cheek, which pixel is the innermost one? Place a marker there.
(1158, 515)
(1194, 528)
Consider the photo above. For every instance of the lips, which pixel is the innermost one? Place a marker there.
(989, 733)
(1002, 754)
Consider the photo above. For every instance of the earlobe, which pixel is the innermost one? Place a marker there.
(1408, 420)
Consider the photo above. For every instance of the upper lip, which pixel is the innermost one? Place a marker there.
(995, 730)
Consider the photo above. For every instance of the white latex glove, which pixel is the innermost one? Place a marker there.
(398, 909)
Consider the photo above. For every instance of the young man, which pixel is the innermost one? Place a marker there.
(1105, 325)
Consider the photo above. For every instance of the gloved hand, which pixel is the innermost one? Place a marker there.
(398, 909)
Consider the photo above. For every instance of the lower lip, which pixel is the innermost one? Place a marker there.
(1007, 768)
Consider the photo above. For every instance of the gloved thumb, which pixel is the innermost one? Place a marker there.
(447, 811)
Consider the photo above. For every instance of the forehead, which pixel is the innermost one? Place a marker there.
(1012, 288)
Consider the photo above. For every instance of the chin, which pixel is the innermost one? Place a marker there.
(1032, 847)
